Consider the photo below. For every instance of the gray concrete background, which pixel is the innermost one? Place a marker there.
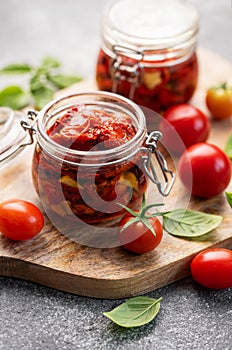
(36, 317)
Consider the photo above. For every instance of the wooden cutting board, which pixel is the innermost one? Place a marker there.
(54, 260)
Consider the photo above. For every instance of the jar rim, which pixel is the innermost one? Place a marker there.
(109, 97)
(114, 32)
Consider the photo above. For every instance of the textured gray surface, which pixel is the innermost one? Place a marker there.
(36, 317)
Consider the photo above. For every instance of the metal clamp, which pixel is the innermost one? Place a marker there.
(29, 126)
(119, 70)
(168, 175)
(19, 139)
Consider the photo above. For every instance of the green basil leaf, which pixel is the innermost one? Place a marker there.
(14, 97)
(37, 81)
(49, 62)
(16, 69)
(190, 223)
(42, 95)
(62, 81)
(229, 198)
(228, 147)
(135, 312)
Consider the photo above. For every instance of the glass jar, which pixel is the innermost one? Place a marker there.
(88, 184)
(148, 52)
(79, 186)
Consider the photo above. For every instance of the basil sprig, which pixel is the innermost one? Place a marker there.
(44, 81)
(135, 312)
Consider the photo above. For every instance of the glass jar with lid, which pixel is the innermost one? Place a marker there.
(148, 51)
(92, 152)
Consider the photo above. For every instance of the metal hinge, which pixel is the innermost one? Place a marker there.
(165, 185)
(123, 71)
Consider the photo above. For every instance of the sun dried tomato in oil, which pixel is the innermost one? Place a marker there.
(61, 186)
(160, 86)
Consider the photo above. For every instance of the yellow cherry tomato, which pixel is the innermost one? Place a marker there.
(219, 101)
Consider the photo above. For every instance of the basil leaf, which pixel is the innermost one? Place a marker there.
(16, 69)
(14, 97)
(229, 198)
(37, 81)
(42, 95)
(228, 147)
(189, 223)
(135, 312)
(49, 62)
(62, 81)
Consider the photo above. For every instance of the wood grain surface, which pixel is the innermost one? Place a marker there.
(54, 260)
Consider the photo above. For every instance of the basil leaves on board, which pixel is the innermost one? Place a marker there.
(189, 223)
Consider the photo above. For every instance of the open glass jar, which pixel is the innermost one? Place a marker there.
(148, 52)
(93, 152)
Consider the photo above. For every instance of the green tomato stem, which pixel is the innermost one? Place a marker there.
(146, 208)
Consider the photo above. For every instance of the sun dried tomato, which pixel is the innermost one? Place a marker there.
(160, 87)
(61, 185)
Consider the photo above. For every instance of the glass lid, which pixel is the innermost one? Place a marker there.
(12, 135)
(150, 23)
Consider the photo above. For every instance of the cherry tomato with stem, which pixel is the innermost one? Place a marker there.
(139, 231)
(182, 126)
(20, 220)
(205, 170)
(219, 101)
(212, 268)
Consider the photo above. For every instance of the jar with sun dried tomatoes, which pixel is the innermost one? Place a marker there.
(93, 152)
(148, 52)
(93, 155)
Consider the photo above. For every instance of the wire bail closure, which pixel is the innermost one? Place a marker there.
(14, 137)
(121, 71)
(29, 126)
(168, 175)
(150, 148)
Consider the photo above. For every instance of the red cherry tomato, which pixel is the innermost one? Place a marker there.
(212, 268)
(183, 123)
(137, 237)
(20, 220)
(205, 170)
